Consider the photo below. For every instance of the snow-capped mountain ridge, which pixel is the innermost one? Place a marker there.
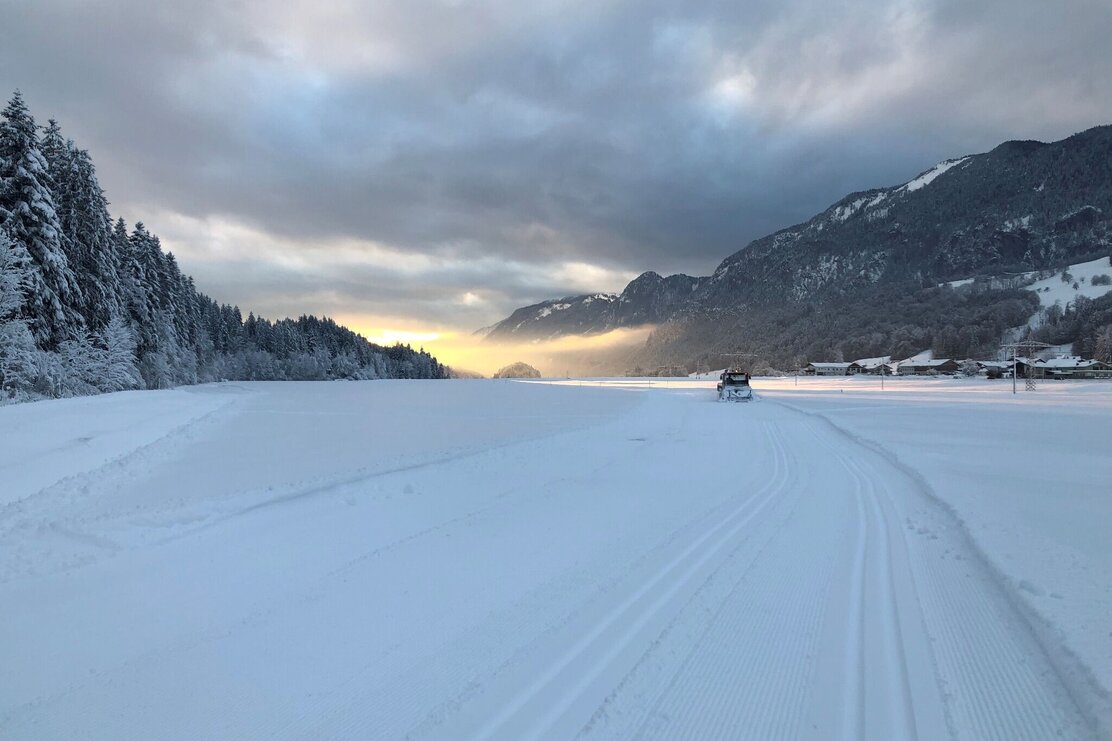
(1021, 207)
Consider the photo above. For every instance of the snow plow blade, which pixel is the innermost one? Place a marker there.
(736, 393)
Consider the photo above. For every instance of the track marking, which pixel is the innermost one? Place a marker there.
(688, 563)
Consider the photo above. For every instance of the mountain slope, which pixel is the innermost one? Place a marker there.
(648, 299)
(1023, 206)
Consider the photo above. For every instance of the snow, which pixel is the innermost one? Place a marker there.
(1068, 362)
(1012, 225)
(708, 375)
(873, 363)
(844, 212)
(1054, 290)
(918, 358)
(929, 176)
(547, 310)
(601, 559)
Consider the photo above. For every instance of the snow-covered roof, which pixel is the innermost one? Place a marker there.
(1067, 362)
(917, 357)
(926, 363)
(872, 363)
(830, 365)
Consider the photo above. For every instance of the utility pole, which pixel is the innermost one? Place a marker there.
(1029, 347)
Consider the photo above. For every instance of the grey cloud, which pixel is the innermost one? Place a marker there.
(540, 132)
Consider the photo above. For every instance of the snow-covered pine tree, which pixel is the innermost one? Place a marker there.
(85, 363)
(120, 371)
(144, 275)
(27, 211)
(86, 306)
(86, 227)
(18, 354)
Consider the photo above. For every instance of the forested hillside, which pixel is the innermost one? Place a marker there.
(88, 305)
(871, 275)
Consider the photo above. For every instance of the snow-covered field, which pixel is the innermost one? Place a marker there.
(1054, 290)
(604, 559)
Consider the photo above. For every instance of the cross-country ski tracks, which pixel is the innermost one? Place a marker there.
(949, 649)
(543, 620)
(585, 658)
(845, 629)
(806, 644)
(686, 570)
(497, 578)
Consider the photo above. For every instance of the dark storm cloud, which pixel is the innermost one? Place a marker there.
(627, 135)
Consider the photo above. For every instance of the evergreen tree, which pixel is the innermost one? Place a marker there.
(18, 354)
(85, 363)
(120, 371)
(27, 211)
(86, 229)
(86, 306)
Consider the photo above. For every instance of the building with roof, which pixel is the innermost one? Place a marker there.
(1064, 366)
(832, 369)
(918, 367)
(874, 365)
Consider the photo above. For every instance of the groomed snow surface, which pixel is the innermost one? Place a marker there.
(514, 560)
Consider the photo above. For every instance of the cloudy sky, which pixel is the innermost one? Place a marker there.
(422, 167)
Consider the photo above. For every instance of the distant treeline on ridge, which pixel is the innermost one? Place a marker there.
(87, 306)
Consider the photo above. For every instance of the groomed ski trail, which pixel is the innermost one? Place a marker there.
(681, 569)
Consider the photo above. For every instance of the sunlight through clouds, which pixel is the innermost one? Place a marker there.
(463, 159)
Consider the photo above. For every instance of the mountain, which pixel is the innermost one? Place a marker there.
(648, 299)
(868, 275)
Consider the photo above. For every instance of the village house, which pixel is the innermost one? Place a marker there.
(1004, 366)
(832, 369)
(874, 366)
(1062, 367)
(927, 367)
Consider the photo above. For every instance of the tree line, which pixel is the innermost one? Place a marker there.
(88, 305)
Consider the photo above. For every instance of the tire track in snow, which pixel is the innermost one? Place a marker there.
(547, 702)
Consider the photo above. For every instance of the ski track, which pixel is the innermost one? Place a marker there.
(816, 591)
(555, 691)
